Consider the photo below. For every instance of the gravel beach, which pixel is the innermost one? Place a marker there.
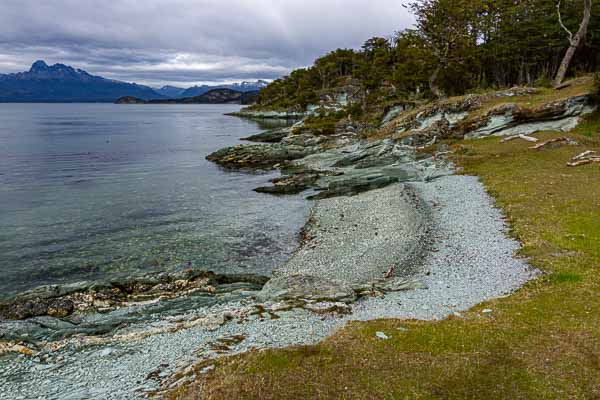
(357, 239)
(468, 259)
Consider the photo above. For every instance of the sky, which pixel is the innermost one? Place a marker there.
(187, 42)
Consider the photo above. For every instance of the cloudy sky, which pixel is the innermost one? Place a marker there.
(185, 42)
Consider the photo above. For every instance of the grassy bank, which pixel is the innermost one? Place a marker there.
(540, 343)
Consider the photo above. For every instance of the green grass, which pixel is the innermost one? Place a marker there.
(565, 277)
(590, 125)
(543, 342)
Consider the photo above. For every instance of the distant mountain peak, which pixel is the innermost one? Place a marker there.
(39, 66)
(63, 83)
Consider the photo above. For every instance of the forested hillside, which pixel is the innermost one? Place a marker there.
(455, 47)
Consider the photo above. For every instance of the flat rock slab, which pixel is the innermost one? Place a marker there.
(306, 287)
(357, 239)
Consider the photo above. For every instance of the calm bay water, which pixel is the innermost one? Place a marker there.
(99, 191)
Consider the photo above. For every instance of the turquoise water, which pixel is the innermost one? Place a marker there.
(100, 191)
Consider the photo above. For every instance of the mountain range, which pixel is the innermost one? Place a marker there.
(243, 87)
(63, 83)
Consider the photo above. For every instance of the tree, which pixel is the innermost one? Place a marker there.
(455, 46)
(446, 26)
(574, 40)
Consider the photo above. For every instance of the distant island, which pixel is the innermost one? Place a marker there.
(60, 83)
(214, 96)
(181, 93)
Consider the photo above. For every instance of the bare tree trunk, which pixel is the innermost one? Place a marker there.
(574, 41)
(433, 86)
(435, 89)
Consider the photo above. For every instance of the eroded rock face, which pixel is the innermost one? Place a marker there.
(306, 288)
(512, 119)
(457, 120)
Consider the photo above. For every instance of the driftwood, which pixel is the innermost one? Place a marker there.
(585, 154)
(524, 137)
(587, 157)
(547, 142)
(585, 161)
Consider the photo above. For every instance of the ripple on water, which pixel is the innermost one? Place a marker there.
(98, 191)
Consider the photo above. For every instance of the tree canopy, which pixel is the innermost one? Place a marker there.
(455, 46)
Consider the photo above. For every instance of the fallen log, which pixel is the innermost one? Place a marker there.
(591, 160)
(551, 141)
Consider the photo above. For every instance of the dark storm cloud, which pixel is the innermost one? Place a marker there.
(186, 41)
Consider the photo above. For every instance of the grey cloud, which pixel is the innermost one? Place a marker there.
(188, 41)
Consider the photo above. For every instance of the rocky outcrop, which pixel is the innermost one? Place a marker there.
(291, 184)
(330, 101)
(354, 184)
(290, 147)
(471, 117)
(343, 164)
(269, 114)
(271, 136)
(307, 288)
(390, 113)
(258, 156)
(322, 295)
(63, 300)
(512, 119)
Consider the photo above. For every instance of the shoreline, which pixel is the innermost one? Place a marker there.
(458, 272)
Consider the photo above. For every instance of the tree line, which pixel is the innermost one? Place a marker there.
(457, 46)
